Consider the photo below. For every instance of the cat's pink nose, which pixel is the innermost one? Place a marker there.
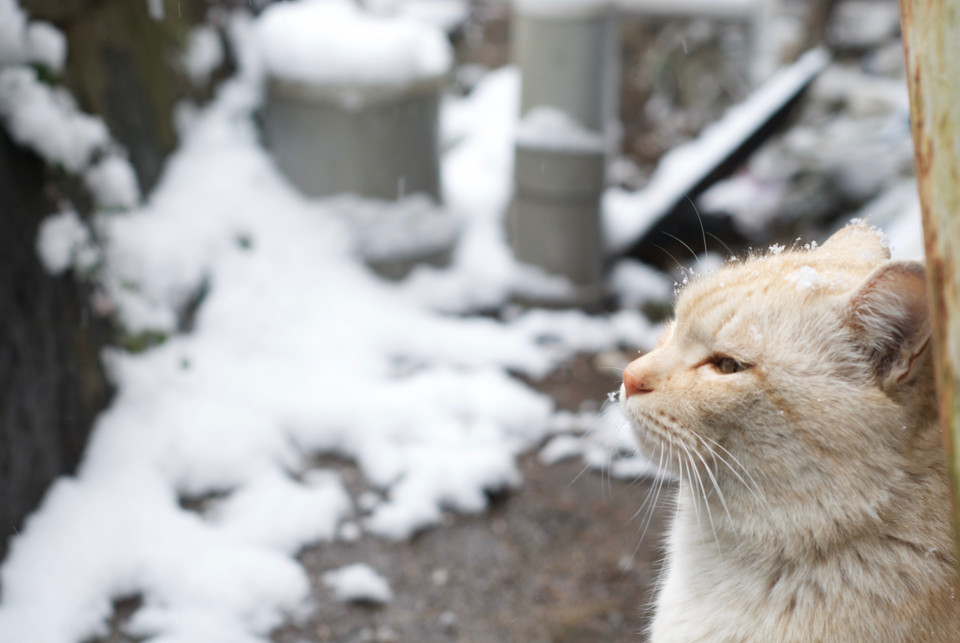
(635, 380)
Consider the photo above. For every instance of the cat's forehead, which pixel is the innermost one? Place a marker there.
(778, 280)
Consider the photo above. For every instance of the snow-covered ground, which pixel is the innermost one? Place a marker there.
(297, 350)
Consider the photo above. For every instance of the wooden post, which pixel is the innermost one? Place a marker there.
(930, 36)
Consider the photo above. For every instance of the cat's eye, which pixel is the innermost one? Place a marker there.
(728, 365)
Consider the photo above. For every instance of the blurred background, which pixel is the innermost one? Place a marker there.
(312, 313)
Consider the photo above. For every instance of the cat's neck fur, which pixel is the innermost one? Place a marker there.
(759, 570)
(814, 503)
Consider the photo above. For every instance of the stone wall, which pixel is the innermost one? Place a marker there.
(52, 383)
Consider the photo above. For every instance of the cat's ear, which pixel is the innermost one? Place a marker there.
(857, 241)
(890, 317)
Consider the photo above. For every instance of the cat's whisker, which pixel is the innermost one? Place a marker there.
(754, 487)
(696, 508)
(716, 485)
(717, 457)
(703, 493)
(606, 477)
(651, 508)
(730, 252)
(669, 254)
(648, 510)
(703, 231)
(751, 488)
(683, 243)
(657, 485)
(695, 476)
(670, 277)
(650, 492)
(585, 468)
(709, 444)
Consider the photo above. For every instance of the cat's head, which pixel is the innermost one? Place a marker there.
(797, 367)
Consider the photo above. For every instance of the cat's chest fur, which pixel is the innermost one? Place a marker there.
(793, 396)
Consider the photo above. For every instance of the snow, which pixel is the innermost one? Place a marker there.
(896, 211)
(46, 45)
(628, 215)
(64, 242)
(203, 54)
(12, 27)
(100, 541)
(561, 447)
(350, 532)
(861, 94)
(358, 583)
(752, 201)
(296, 350)
(335, 43)
(636, 283)
(47, 120)
(906, 235)
(280, 513)
(549, 128)
(113, 183)
(22, 41)
(602, 439)
(410, 227)
(805, 278)
(853, 145)
(864, 23)
(477, 185)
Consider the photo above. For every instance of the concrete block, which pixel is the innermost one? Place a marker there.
(570, 60)
(559, 174)
(562, 238)
(369, 141)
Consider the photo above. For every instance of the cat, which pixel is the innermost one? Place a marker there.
(793, 395)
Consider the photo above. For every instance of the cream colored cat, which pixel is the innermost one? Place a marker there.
(793, 394)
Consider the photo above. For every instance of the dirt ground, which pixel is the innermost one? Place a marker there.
(560, 559)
